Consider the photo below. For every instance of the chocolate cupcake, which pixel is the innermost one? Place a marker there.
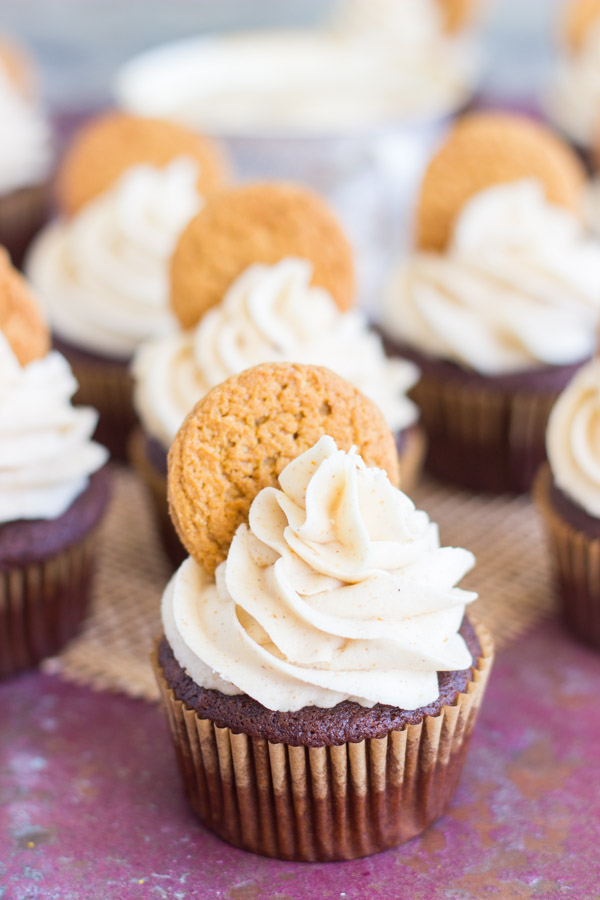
(320, 679)
(268, 313)
(25, 152)
(567, 492)
(53, 487)
(500, 304)
(126, 189)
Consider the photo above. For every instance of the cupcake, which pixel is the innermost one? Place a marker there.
(25, 152)
(499, 304)
(572, 100)
(264, 294)
(53, 487)
(127, 188)
(567, 492)
(320, 677)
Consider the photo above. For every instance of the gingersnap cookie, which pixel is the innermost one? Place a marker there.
(21, 320)
(257, 223)
(18, 67)
(579, 17)
(115, 141)
(456, 14)
(489, 148)
(245, 431)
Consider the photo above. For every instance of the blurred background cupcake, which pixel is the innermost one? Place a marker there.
(25, 151)
(568, 496)
(350, 105)
(500, 303)
(126, 188)
(573, 95)
(264, 273)
(53, 487)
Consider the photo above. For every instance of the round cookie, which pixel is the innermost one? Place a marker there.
(18, 67)
(113, 142)
(456, 14)
(490, 148)
(579, 17)
(21, 320)
(245, 431)
(254, 223)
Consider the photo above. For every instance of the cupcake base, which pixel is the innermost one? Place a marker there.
(484, 433)
(46, 569)
(329, 802)
(575, 543)
(22, 214)
(107, 385)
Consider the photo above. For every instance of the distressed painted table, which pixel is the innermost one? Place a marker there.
(90, 805)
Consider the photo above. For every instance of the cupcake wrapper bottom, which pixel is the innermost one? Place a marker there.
(481, 437)
(156, 483)
(577, 562)
(42, 606)
(108, 387)
(324, 803)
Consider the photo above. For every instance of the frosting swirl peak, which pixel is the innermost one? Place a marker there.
(103, 275)
(518, 288)
(336, 589)
(46, 450)
(269, 314)
(573, 439)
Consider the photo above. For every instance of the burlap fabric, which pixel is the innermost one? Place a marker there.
(512, 577)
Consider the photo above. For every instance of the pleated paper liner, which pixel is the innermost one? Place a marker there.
(577, 565)
(412, 458)
(483, 437)
(505, 533)
(324, 803)
(43, 604)
(106, 385)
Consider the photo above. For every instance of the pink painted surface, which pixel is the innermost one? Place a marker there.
(90, 805)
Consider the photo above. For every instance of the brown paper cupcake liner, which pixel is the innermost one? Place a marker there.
(156, 485)
(411, 458)
(22, 214)
(330, 802)
(577, 564)
(483, 437)
(43, 604)
(106, 385)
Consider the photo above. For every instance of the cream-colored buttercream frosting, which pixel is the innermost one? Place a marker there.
(573, 439)
(375, 63)
(573, 100)
(517, 289)
(270, 314)
(25, 149)
(103, 275)
(336, 589)
(46, 450)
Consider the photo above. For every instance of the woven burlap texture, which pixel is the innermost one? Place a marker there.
(512, 577)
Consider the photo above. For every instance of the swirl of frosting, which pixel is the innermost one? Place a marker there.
(337, 589)
(25, 149)
(103, 275)
(573, 100)
(519, 287)
(46, 450)
(269, 314)
(573, 439)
